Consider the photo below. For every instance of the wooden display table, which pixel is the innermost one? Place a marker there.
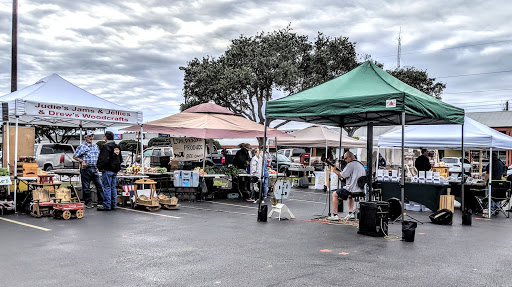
(151, 203)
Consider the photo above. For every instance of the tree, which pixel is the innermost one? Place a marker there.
(419, 79)
(253, 69)
(128, 145)
(55, 134)
(100, 144)
(154, 141)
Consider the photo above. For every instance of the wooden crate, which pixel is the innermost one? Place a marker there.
(446, 202)
(27, 169)
(443, 171)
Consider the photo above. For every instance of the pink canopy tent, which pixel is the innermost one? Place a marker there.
(208, 121)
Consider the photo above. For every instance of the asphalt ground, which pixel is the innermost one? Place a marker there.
(220, 243)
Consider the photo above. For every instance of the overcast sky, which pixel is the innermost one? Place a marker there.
(130, 52)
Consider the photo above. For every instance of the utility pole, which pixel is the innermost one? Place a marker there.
(399, 54)
(14, 54)
(506, 106)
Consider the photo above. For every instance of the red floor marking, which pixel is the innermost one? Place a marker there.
(269, 266)
(420, 233)
(326, 250)
(344, 253)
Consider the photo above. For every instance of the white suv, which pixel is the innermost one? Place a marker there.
(455, 164)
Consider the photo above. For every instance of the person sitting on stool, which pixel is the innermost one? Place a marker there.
(352, 172)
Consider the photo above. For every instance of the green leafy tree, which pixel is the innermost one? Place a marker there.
(419, 79)
(128, 145)
(56, 134)
(165, 140)
(253, 69)
(100, 144)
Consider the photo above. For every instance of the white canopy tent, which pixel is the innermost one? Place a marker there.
(476, 136)
(55, 101)
(320, 136)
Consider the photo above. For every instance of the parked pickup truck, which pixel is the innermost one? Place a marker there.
(51, 156)
(300, 155)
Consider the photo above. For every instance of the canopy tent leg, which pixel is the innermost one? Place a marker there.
(81, 128)
(204, 153)
(142, 148)
(402, 177)
(489, 183)
(277, 159)
(263, 163)
(7, 154)
(328, 178)
(462, 179)
(369, 156)
(340, 153)
(377, 160)
(15, 163)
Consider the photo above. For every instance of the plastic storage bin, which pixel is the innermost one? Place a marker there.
(186, 178)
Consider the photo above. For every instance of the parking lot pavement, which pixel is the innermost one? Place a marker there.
(220, 243)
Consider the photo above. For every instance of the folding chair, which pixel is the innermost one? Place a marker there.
(500, 197)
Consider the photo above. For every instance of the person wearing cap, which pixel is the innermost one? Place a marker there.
(87, 155)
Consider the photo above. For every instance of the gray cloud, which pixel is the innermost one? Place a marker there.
(129, 52)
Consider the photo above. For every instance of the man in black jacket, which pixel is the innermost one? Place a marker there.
(109, 163)
(422, 163)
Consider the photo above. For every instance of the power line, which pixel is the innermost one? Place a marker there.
(482, 91)
(449, 48)
(476, 74)
(475, 102)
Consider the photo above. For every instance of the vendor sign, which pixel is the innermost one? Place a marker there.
(79, 112)
(188, 149)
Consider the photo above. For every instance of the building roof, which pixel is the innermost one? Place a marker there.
(496, 119)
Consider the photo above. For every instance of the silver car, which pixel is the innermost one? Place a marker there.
(455, 164)
(51, 156)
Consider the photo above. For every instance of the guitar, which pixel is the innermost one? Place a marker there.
(330, 163)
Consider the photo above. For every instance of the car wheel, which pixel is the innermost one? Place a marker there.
(48, 167)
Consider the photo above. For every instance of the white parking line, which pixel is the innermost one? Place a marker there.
(152, 213)
(230, 204)
(218, 210)
(25, 224)
(306, 200)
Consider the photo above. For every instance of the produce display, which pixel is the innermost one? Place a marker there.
(134, 169)
(3, 172)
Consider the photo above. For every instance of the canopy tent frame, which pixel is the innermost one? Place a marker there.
(366, 90)
(50, 97)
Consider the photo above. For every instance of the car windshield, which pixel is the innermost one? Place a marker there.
(282, 158)
(450, 160)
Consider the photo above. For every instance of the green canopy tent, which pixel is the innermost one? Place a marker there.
(365, 96)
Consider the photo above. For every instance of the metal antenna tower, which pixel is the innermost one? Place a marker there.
(399, 54)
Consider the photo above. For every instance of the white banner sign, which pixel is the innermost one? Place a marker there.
(188, 149)
(79, 113)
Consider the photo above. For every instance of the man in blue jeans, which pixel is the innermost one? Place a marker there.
(109, 162)
(87, 155)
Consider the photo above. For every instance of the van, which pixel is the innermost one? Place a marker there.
(51, 156)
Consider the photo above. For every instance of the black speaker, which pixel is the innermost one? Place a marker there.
(373, 219)
(466, 218)
(395, 208)
(262, 213)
